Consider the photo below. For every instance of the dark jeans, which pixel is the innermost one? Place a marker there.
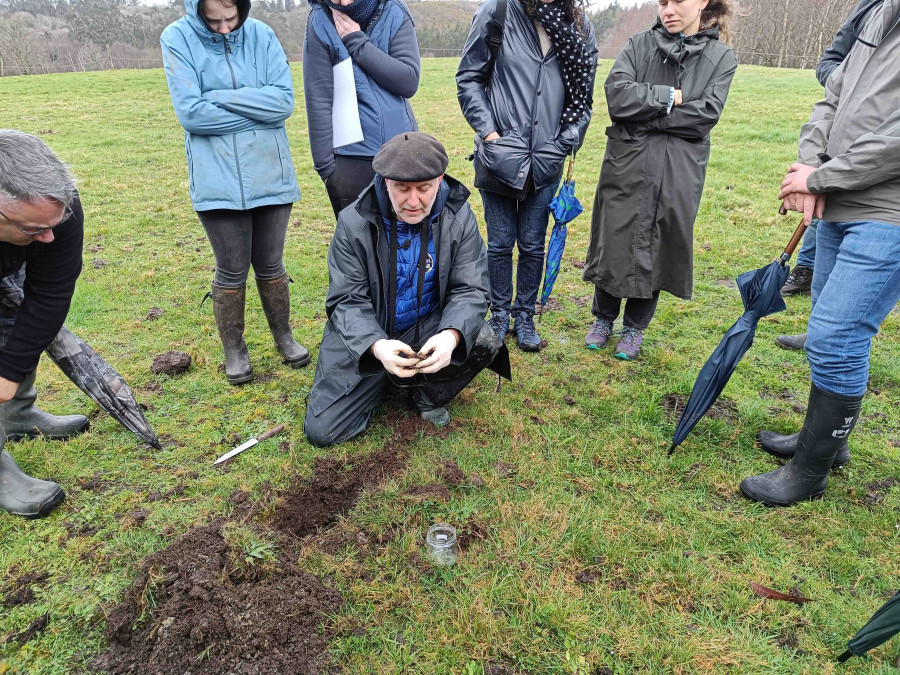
(351, 176)
(638, 311)
(524, 223)
(243, 238)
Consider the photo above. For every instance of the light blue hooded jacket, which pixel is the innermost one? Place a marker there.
(232, 94)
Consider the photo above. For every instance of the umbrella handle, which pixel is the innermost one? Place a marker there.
(571, 169)
(795, 240)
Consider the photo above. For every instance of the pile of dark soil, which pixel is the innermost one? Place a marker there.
(191, 610)
(187, 614)
(171, 363)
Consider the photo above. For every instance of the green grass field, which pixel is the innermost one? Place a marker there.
(600, 552)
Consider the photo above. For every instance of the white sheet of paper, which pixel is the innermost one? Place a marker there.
(345, 125)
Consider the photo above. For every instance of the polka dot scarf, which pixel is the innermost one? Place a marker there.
(573, 58)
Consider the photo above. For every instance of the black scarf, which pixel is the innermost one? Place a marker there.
(574, 60)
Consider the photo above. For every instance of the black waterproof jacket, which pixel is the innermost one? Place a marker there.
(357, 302)
(523, 100)
(651, 180)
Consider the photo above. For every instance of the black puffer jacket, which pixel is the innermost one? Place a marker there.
(523, 101)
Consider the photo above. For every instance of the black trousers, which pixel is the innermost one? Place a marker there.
(638, 311)
(240, 239)
(351, 176)
(350, 414)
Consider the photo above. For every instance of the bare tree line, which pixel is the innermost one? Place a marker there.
(46, 36)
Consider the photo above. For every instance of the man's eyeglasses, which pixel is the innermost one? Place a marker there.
(36, 231)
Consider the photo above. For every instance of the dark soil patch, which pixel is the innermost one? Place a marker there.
(81, 529)
(569, 400)
(154, 313)
(471, 531)
(582, 300)
(553, 305)
(99, 263)
(476, 481)
(587, 576)
(578, 264)
(134, 519)
(451, 473)
(36, 627)
(421, 493)
(197, 608)
(21, 591)
(493, 668)
(171, 363)
(894, 443)
(877, 490)
(204, 621)
(723, 409)
(95, 483)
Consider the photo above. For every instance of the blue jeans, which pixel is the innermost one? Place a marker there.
(856, 283)
(807, 255)
(511, 222)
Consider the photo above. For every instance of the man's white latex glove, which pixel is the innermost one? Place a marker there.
(437, 351)
(388, 352)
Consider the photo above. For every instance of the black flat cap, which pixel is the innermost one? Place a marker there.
(411, 157)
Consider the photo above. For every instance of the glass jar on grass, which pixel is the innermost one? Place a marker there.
(440, 544)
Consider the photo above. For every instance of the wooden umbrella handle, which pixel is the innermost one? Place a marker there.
(795, 240)
(571, 168)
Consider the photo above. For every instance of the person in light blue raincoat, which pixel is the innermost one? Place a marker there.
(232, 91)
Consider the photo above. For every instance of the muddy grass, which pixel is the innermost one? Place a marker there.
(230, 597)
(722, 409)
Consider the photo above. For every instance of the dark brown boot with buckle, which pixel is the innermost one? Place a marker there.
(276, 303)
(228, 306)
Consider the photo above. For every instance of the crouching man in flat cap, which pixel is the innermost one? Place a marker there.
(407, 296)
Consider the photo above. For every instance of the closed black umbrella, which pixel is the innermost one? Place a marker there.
(761, 293)
(883, 625)
(90, 372)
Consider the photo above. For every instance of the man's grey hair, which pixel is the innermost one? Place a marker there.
(30, 171)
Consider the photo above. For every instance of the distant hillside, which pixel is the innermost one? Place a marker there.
(41, 36)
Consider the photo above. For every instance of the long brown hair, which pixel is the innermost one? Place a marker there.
(573, 10)
(719, 13)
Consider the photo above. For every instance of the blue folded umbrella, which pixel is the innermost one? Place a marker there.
(565, 207)
(761, 293)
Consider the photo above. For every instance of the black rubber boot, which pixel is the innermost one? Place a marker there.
(783, 445)
(428, 410)
(21, 418)
(798, 281)
(228, 306)
(830, 419)
(795, 343)
(276, 303)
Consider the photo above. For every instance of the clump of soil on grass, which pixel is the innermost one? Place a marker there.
(421, 493)
(36, 627)
(171, 363)
(722, 409)
(877, 490)
(154, 313)
(21, 590)
(471, 531)
(451, 473)
(206, 620)
(95, 483)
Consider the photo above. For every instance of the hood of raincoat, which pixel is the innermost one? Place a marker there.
(198, 21)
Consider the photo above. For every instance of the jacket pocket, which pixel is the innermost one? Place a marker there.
(507, 158)
(283, 155)
(190, 161)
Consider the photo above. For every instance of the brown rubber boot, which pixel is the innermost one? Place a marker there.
(228, 306)
(275, 296)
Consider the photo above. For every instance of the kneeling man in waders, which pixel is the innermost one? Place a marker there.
(407, 295)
